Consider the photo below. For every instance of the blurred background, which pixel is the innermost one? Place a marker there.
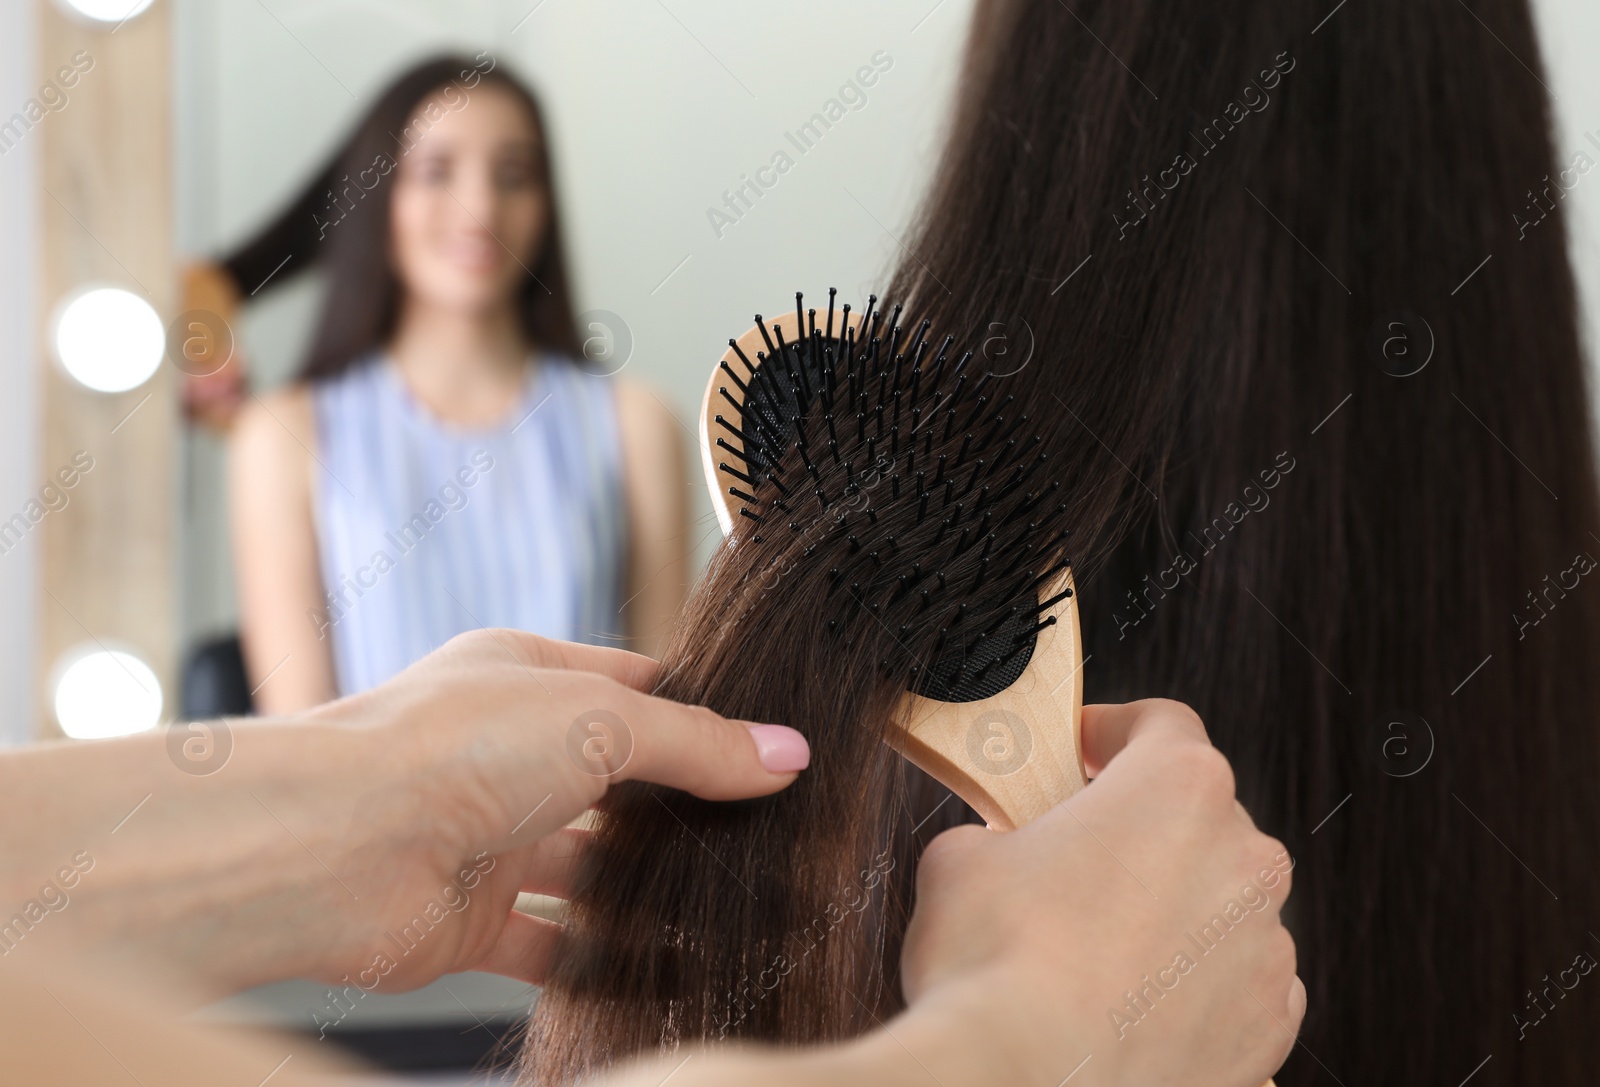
(189, 124)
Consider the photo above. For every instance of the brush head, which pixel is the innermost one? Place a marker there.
(900, 466)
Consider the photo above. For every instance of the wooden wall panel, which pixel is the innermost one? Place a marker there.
(108, 559)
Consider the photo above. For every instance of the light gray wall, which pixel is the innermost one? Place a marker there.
(19, 402)
(655, 109)
(1569, 34)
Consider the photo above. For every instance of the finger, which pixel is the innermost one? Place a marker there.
(1108, 728)
(523, 950)
(630, 669)
(550, 865)
(1297, 1004)
(701, 752)
(1104, 732)
(954, 842)
(1287, 1028)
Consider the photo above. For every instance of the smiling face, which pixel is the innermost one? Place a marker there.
(470, 201)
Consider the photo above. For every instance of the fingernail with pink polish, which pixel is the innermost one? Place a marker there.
(781, 749)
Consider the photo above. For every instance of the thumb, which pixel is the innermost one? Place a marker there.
(701, 752)
(1109, 728)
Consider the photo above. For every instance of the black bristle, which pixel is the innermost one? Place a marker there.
(735, 473)
(762, 325)
(972, 480)
(737, 433)
(944, 572)
(955, 394)
(1048, 574)
(977, 410)
(1046, 605)
(725, 368)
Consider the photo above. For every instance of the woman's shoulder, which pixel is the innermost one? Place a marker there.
(651, 434)
(641, 407)
(636, 403)
(275, 427)
(286, 408)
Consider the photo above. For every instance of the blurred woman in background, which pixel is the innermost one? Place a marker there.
(443, 461)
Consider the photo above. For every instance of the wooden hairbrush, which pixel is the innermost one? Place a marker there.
(999, 732)
(998, 728)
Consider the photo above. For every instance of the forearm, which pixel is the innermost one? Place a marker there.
(288, 651)
(180, 866)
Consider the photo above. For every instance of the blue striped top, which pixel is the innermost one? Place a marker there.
(426, 530)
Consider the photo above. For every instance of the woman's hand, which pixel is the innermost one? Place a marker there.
(379, 841)
(216, 375)
(1135, 926)
(1131, 934)
(508, 737)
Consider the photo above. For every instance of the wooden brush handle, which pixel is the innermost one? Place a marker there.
(1017, 754)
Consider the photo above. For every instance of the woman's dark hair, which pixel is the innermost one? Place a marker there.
(340, 222)
(1268, 289)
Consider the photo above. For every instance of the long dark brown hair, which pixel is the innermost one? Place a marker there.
(340, 223)
(1259, 273)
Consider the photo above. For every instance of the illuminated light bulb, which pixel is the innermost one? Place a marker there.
(106, 11)
(102, 692)
(109, 339)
